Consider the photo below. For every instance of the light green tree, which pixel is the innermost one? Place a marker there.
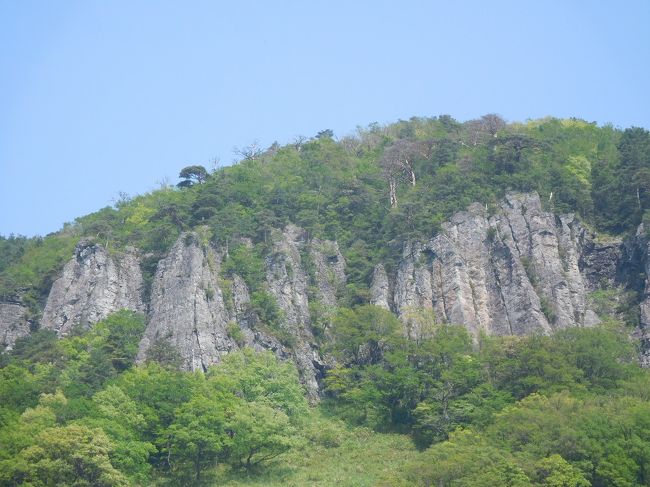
(72, 455)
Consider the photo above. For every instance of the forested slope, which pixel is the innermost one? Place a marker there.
(481, 287)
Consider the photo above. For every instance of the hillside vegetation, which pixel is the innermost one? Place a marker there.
(445, 409)
(571, 409)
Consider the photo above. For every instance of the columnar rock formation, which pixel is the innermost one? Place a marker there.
(288, 283)
(13, 324)
(93, 285)
(187, 308)
(517, 269)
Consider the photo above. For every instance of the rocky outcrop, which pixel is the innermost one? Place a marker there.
(252, 334)
(187, 308)
(287, 280)
(643, 331)
(93, 285)
(191, 312)
(288, 283)
(518, 271)
(13, 324)
(329, 270)
(380, 288)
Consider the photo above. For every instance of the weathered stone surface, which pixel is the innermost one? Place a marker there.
(519, 270)
(13, 324)
(380, 288)
(329, 269)
(287, 282)
(93, 285)
(187, 307)
(253, 335)
(522, 270)
(643, 331)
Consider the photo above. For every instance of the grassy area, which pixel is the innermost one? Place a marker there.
(335, 456)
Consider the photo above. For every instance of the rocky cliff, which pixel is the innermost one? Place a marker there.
(517, 270)
(513, 269)
(189, 311)
(13, 324)
(643, 332)
(187, 308)
(93, 285)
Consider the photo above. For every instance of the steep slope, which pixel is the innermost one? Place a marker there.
(187, 307)
(189, 311)
(518, 271)
(93, 285)
(13, 324)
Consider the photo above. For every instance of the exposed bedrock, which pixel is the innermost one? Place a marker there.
(13, 324)
(93, 284)
(518, 271)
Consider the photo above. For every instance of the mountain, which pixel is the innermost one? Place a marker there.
(420, 276)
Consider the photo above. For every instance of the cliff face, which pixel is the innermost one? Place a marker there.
(187, 308)
(13, 324)
(288, 282)
(189, 311)
(518, 271)
(93, 285)
(643, 332)
(514, 270)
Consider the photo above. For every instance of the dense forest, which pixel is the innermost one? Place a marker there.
(445, 409)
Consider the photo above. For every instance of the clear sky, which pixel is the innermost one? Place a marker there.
(101, 97)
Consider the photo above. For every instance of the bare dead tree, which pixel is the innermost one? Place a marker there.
(483, 129)
(398, 163)
(249, 152)
(299, 141)
(492, 123)
(350, 144)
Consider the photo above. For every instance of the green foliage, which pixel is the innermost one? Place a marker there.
(364, 333)
(192, 175)
(581, 416)
(261, 378)
(196, 437)
(67, 455)
(164, 353)
(555, 471)
(259, 433)
(569, 409)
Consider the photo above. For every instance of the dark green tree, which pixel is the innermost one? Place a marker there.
(192, 175)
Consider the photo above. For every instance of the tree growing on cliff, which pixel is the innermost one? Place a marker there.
(192, 175)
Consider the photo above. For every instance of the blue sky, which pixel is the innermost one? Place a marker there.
(103, 97)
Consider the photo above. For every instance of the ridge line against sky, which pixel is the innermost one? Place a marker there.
(100, 98)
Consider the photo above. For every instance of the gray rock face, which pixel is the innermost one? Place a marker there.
(287, 282)
(329, 269)
(187, 307)
(13, 324)
(252, 334)
(643, 332)
(380, 288)
(519, 271)
(93, 285)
